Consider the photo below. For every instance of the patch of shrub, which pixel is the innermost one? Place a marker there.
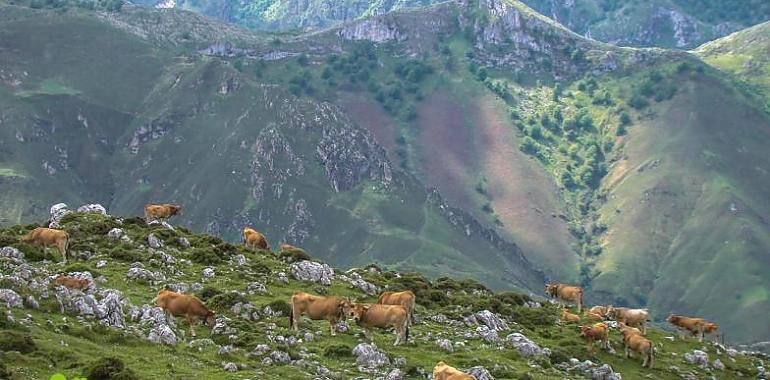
(206, 256)
(208, 292)
(534, 317)
(438, 297)
(125, 252)
(559, 356)
(81, 267)
(134, 221)
(260, 267)
(446, 283)
(337, 351)
(227, 300)
(4, 373)
(110, 368)
(82, 226)
(280, 306)
(17, 341)
(294, 255)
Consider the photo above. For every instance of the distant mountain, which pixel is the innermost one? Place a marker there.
(663, 23)
(475, 139)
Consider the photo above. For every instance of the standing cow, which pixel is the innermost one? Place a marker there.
(316, 308)
(566, 293)
(630, 317)
(253, 239)
(634, 341)
(178, 304)
(442, 371)
(47, 237)
(405, 299)
(382, 316)
(160, 212)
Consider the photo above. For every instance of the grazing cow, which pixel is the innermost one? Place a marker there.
(599, 310)
(710, 328)
(253, 239)
(178, 304)
(635, 341)
(317, 308)
(630, 317)
(382, 316)
(566, 293)
(597, 332)
(47, 237)
(594, 316)
(568, 317)
(693, 325)
(160, 212)
(72, 282)
(444, 372)
(405, 299)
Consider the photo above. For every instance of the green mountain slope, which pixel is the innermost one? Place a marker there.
(663, 23)
(111, 329)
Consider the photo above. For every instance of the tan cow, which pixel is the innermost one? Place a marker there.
(568, 317)
(160, 212)
(599, 310)
(189, 306)
(382, 316)
(405, 299)
(288, 247)
(566, 293)
(253, 239)
(47, 237)
(444, 372)
(693, 325)
(710, 328)
(630, 317)
(317, 308)
(72, 282)
(594, 316)
(596, 332)
(636, 342)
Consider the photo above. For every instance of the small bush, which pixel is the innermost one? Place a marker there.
(17, 341)
(206, 256)
(81, 267)
(125, 252)
(110, 369)
(280, 306)
(294, 255)
(559, 356)
(208, 292)
(226, 300)
(134, 221)
(337, 351)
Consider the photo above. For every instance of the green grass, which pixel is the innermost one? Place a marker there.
(50, 87)
(9, 172)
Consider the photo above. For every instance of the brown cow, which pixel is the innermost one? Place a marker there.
(566, 293)
(160, 212)
(630, 317)
(288, 247)
(317, 308)
(405, 299)
(600, 310)
(46, 237)
(253, 239)
(178, 304)
(685, 323)
(710, 328)
(594, 316)
(597, 332)
(444, 372)
(72, 282)
(634, 341)
(568, 317)
(382, 316)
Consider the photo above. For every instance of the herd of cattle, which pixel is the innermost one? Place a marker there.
(393, 309)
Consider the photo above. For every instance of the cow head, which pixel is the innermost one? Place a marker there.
(672, 318)
(584, 330)
(551, 289)
(211, 319)
(175, 210)
(612, 313)
(26, 238)
(345, 306)
(358, 311)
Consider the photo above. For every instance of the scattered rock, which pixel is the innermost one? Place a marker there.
(313, 272)
(395, 374)
(31, 303)
(489, 335)
(200, 344)
(697, 357)
(10, 298)
(525, 346)
(368, 356)
(183, 242)
(718, 365)
(208, 273)
(261, 349)
(357, 281)
(224, 350)
(162, 334)
(101, 264)
(115, 233)
(93, 208)
(480, 373)
(282, 278)
(604, 372)
(58, 211)
(280, 357)
(445, 344)
(141, 274)
(489, 319)
(256, 287)
(11, 252)
(154, 242)
(230, 367)
(239, 260)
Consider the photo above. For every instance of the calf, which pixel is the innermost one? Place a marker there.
(444, 372)
(382, 316)
(630, 317)
(47, 237)
(405, 299)
(635, 341)
(72, 282)
(316, 308)
(160, 212)
(178, 304)
(566, 293)
(596, 332)
(693, 325)
(253, 239)
(568, 317)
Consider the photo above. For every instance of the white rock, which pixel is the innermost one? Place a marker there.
(58, 211)
(115, 233)
(10, 298)
(313, 272)
(94, 208)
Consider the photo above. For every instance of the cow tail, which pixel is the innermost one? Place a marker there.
(66, 245)
(291, 316)
(580, 301)
(650, 356)
(406, 333)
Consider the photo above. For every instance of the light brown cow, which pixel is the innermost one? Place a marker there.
(710, 328)
(444, 372)
(189, 306)
(630, 317)
(568, 317)
(594, 316)
(160, 212)
(685, 323)
(253, 239)
(405, 299)
(317, 308)
(47, 237)
(382, 316)
(636, 342)
(566, 293)
(596, 332)
(600, 310)
(72, 282)
(288, 247)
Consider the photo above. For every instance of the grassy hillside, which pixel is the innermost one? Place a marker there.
(54, 337)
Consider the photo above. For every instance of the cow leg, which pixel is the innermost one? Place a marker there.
(628, 353)
(368, 334)
(191, 321)
(332, 324)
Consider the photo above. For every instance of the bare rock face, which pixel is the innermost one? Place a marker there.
(369, 357)
(526, 346)
(58, 211)
(93, 208)
(313, 272)
(377, 29)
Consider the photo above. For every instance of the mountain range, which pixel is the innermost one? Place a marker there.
(471, 138)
